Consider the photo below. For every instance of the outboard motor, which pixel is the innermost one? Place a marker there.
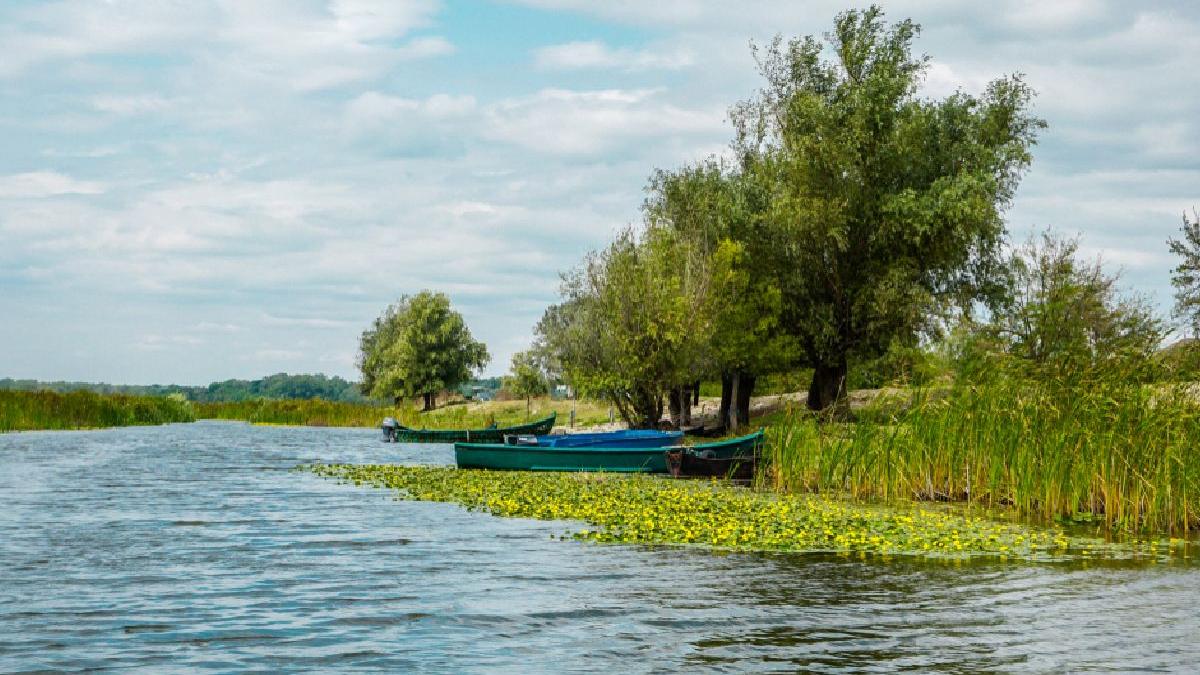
(389, 429)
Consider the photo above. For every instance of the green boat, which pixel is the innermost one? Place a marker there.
(734, 447)
(546, 456)
(555, 458)
(398, 433)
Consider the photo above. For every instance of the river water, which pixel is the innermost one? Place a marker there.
(196, 547)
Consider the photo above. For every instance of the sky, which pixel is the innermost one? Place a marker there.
(207, 189)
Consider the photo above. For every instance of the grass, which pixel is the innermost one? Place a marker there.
(38, 410)
(1124, 456)
(650, 510)
(454, 416)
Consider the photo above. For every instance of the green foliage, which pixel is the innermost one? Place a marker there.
(1186, 276)
(418, 346)
(32, 410)
(526, 379)
(900, 365)
(887, 206)
(721, 211)
(1063, 314)
(633, 324)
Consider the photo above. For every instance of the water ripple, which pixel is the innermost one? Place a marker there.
(194, 547)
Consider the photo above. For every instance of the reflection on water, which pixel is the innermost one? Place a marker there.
(195, 547)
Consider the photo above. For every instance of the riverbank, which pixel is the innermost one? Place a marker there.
(48, 410)
(465, 415)
(651, 510)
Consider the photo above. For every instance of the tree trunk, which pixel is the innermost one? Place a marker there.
(675, 407)
(732, 423)
(696, 393)
(828, 389)
(726, 399)
(647, 409)
(528, 407)
(685, 407)
(428, 402)
(745, 389)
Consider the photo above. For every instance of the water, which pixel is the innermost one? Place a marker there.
(194, 547)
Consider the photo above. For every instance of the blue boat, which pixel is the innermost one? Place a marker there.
(630, 438)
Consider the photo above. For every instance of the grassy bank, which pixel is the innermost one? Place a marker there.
(1126, 456)
(651, 510)
(34, 410)
(455, 416)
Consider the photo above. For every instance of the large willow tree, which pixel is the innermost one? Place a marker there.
(888, 206)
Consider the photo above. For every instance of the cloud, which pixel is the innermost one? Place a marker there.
(596, 54)
(37, 184)
(566, 122)
(131, 105)
(305, 45)
(266, 176)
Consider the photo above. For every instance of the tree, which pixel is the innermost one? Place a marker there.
(722, 212)
(1186, 276)
(1063, 313)
(888, 206)
(526, 379)
(418, 346)
(631, 328)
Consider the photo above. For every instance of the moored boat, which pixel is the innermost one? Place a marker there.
(627, 438)
(736, 458)
(398, 433)
(560, 458)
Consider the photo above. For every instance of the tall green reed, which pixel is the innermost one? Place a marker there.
(34, 410)
(1084, 446)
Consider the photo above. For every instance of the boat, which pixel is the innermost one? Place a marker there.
(735, 458)
(547, 457)
(398, 433)
(629, 438)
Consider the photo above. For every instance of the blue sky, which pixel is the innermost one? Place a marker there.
(192, 191)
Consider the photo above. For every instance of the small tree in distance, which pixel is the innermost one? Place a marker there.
(418, 347)
(1186, 276)
(526, 379)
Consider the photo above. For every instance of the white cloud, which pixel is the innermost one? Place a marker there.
(565, 122)
(279, 354)
(264, 173)
(36, 184)
(131, 105)
(596, 54)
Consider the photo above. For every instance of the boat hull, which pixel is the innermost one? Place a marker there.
(683, 464)
(736, 459)
(545, 458)
(640, 438)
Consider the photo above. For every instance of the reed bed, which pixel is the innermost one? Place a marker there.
(47, 410)
(456, 416)
(1123, 455)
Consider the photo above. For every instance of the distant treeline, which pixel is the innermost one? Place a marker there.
(278, 386)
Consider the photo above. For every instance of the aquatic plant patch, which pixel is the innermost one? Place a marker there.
(654, 510)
